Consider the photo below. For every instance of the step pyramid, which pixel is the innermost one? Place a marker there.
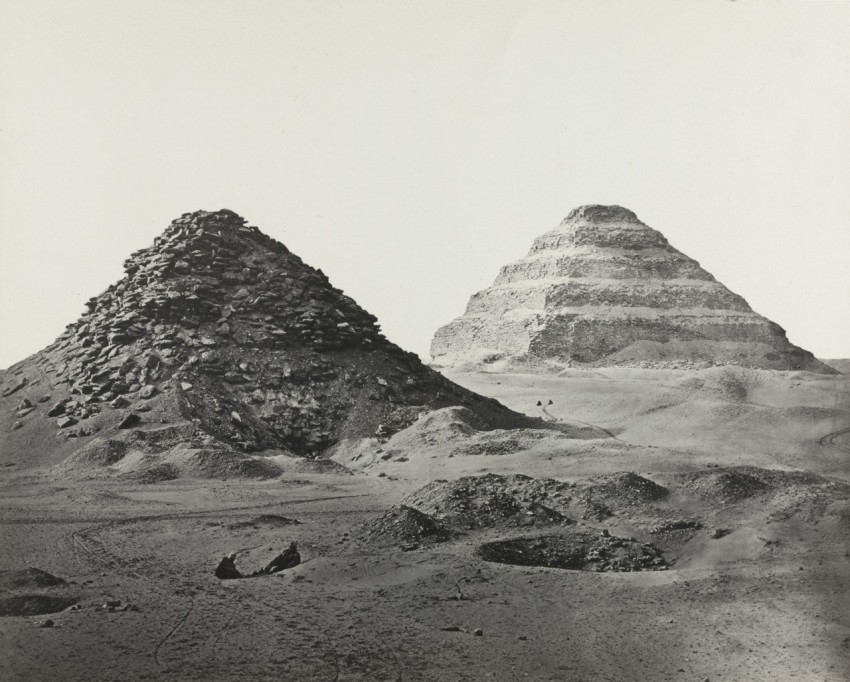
(223, 327)
(602, 289)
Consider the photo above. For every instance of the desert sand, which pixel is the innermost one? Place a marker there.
(737, 477)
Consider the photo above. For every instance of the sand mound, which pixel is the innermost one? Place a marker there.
(155, 473)
(451, 432)
(461, 428)
(17, 599)
(162, 455)
(27, 578)
(99, 452)
(221, 462)
(575, 550)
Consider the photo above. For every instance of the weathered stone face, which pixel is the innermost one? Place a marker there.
(237, 334)
(603, 288)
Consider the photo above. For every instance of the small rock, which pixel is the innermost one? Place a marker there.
(119, 402)
(129, 421)
(478, 632)
(185, 385)
(65, 422)
(235, 418)
(17, 425)
(24, 404)
(58, 408)
(15, 387)
(47, 623)
(148, 391)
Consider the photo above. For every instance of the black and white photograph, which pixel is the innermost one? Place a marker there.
(425, 340)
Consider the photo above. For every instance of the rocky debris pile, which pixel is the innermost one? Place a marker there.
(494, 500)
(576, 550)
(605, 289)
(406, 527)
(489, 501)
(625, 487)
(604, 496)
(677, 530)
(731, 485)
(727, 485)
(222, 325)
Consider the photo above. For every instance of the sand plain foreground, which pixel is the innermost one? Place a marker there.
(759, 455)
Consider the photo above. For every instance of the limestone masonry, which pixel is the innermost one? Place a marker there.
(220, 326)
(605, 289)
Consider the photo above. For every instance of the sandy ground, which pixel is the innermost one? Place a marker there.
(769, 601)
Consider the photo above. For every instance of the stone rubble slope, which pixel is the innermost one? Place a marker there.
(220, 326)
(605, 289)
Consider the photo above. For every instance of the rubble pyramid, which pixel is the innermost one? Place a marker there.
(603, 289)
(223, 329)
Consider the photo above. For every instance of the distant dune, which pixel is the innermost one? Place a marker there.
(841, 364)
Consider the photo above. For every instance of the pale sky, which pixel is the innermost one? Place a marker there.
(409, 149)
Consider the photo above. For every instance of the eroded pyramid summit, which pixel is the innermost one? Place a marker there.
(603, 288)
(222, 328)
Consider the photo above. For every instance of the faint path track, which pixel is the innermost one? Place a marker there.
(173, 630)
(176, 516)
(398, 666)
(829, 440)
(557, 420)
(335, 654)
